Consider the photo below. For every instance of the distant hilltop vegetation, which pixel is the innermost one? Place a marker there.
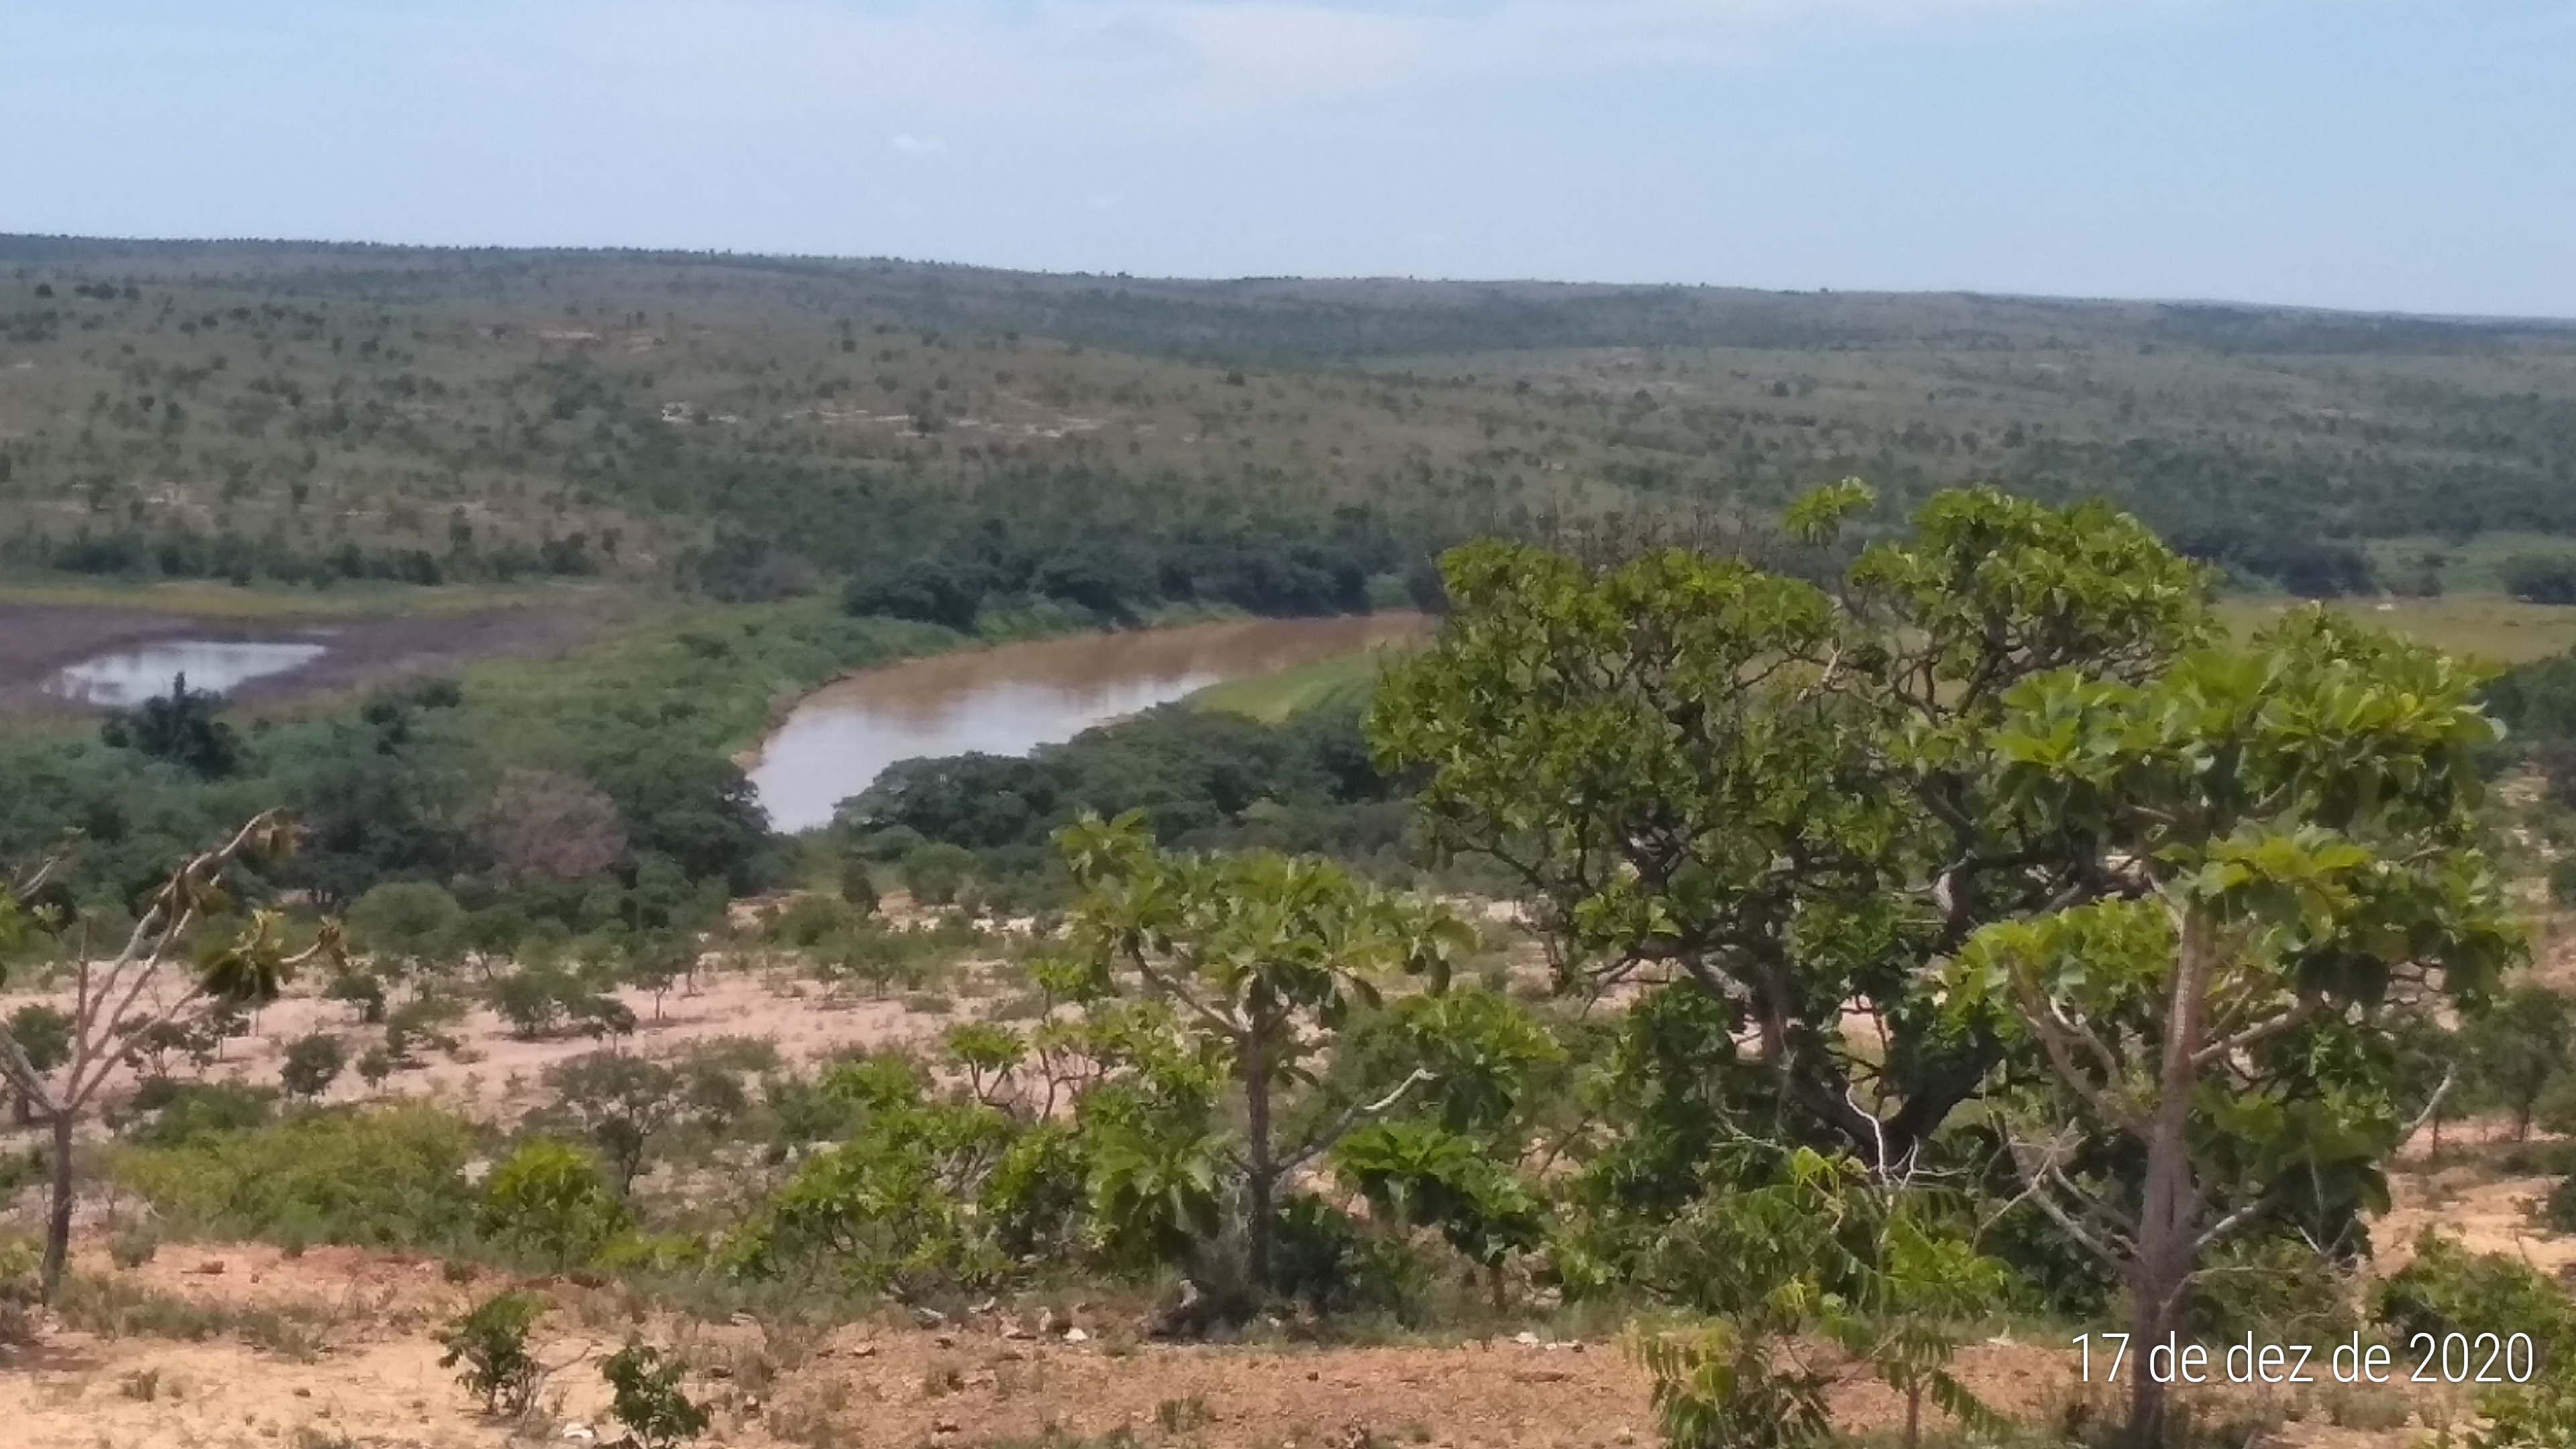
(928, 438)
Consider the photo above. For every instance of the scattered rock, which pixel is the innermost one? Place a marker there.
(579, 1433)
(943, 1426)
(1076, 1335)
(1014, 1331)
(211, 1268)
(865, 1350)
(928, 1317)
(945, 1340)
(1525, 1339)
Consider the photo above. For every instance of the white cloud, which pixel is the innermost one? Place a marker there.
(907, 144)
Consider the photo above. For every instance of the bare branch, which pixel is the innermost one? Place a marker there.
(1358, 1113)
(2218, 1051)
(2230, 1223)
(2058, 1036)
(2450, 1077)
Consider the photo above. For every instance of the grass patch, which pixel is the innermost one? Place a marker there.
(116, 1308)
(2483, 626)
(1271, 698)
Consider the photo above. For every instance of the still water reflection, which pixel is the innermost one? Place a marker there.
(1013, 698)
(129, 676)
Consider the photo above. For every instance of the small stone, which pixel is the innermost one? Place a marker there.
(865, 1350)
(1525, 1339)
(579, 1433)
(1014, 1331)
(303, 1393)
(212, 1268)
(943, 1426)
(928, 1317)
(945, 1340)
(1076, 1335)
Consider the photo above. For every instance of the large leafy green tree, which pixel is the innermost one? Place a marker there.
(2292, 830)
(1727, 778)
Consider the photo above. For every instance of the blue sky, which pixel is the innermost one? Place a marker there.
(2411, 155)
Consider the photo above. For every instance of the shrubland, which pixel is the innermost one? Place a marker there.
(1985, 936)
(925, 440)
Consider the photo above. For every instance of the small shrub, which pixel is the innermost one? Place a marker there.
(936, 872)
(133, 1248)
(858, 888)
(809, 920)
(390, 1176)
(20, 1289)
(551, 1200)
(142, 1385)
(180, 1113)
(362, 990)
(312, 1064)
(2278, 1290)
(648, 1401)
(2562, 881)
(488, 1348)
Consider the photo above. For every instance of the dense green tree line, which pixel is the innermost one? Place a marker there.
(1201, 779)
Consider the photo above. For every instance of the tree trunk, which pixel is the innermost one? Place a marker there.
(2169, 1208)
(1258, 1189)
(58, 1215)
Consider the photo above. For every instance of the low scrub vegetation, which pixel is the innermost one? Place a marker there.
(1991, 938)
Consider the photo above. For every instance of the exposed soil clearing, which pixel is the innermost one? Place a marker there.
(37, 641)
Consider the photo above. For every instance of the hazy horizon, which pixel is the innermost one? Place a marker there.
(2376, 156)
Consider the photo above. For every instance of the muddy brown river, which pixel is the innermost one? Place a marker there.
(1012, 698)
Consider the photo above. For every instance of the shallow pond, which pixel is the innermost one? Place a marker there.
(1010, 699)
(123, 677)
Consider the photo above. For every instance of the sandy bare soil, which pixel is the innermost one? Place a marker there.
(495, 1076)
(995, 1379)
(36, 640)
(376, 1380)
